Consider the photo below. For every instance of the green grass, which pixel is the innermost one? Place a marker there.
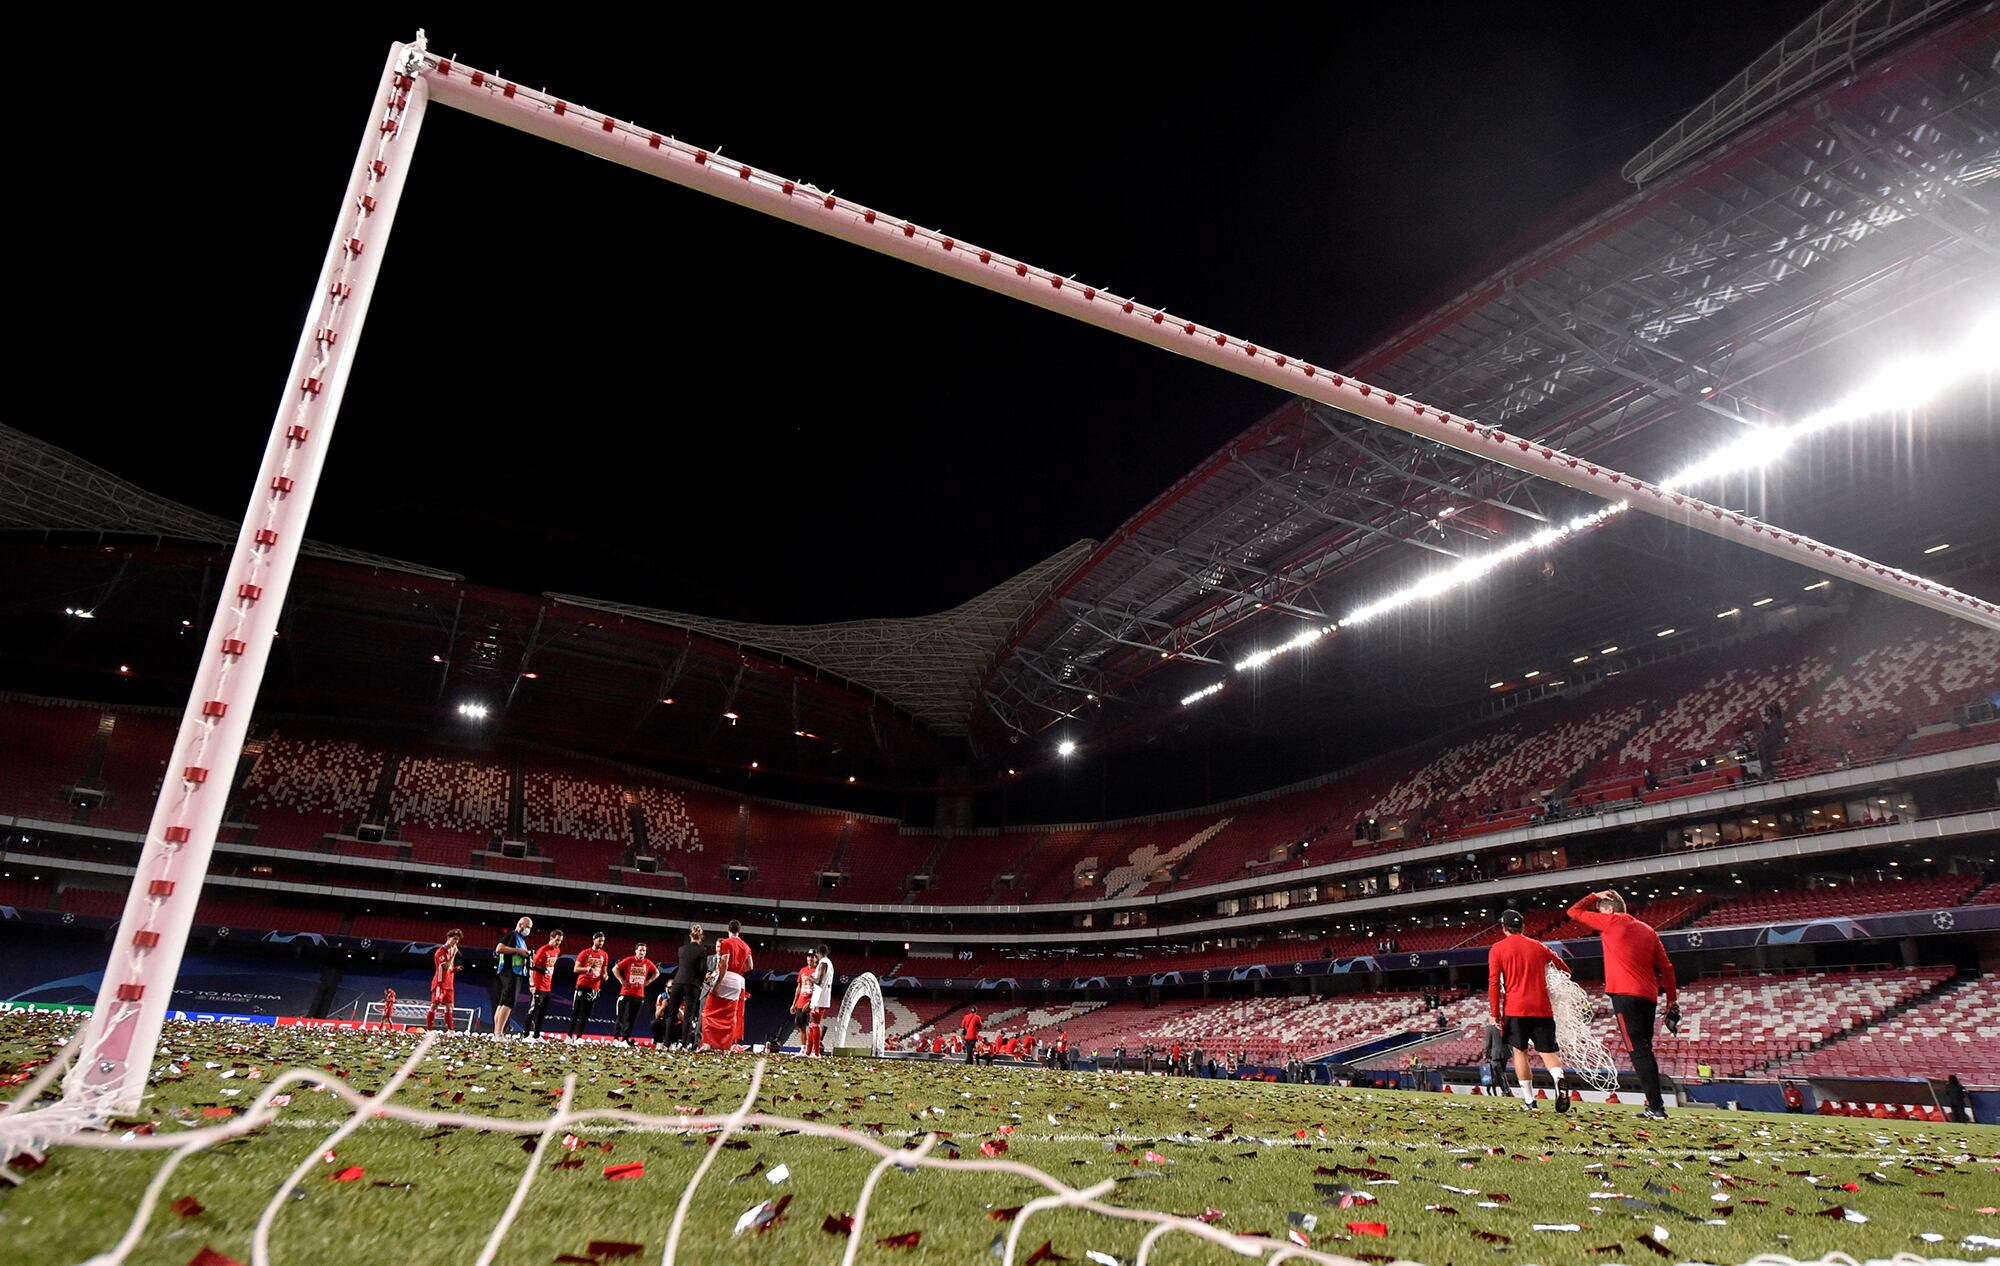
(432, 1196)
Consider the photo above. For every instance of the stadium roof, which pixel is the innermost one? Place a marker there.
(1780, 219)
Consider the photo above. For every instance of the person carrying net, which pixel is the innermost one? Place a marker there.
(1636, 970)
(1514, 966)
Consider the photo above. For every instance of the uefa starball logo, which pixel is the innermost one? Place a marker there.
(1694, 940)
(1943, 921)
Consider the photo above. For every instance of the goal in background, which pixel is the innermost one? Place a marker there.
(415, 1012)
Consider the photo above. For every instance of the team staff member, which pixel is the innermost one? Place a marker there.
(511, 955)
(1515, 964)
(970, 1024)
(683, 1006)
(1636, 969)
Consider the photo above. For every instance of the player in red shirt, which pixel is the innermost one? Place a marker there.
(633, 973)
(970, 1025)
(728, 993)
(444, 961)
(1636, 968)
(388, 1006)
(1517, 963)
(590, 967)
(542, 980)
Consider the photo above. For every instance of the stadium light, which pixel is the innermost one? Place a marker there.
(1900, 387)
(1257, 659)
(1531, 675)
(1666, 633)
(1724, 615)
(1579, 659)
(1821, 585)
(1938, 549)
(1763, 602)
(1066, 748)
(1203, 693)
(80, 613)
(474, 711)
(1609, 650)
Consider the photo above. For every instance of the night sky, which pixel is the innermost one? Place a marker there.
(580, 379)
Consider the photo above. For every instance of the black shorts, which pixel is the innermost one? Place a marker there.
(507, 991)
(1540, 1030)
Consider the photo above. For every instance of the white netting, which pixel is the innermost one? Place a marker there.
(413, 1011)
(862, 987)
(1583, 1051)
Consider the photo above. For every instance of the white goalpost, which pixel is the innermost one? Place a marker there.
(119, 1041)
(415, 1013)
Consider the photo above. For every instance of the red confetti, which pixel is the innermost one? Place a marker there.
(1154, 1158)
(209, 1257)
(218, 1112)
(908, 1239)
(186, 1206)
(1850, 1186)
(1046, 1253)
(1655, 1245)
(1494, 1237)
(777, 1214)
(27, 1164)
(349, 1174)
(838, 1224)
(1004, 1215)
(993, 1147)
(1368, 1228)
(614, 1248)
(1211, 1215)
(631, 1169)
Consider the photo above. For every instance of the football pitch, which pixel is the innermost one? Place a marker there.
(1370, 1175)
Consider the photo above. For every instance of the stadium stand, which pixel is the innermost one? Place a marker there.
(46, 745)
(1889, 683)
(1955, 1030)
(878, 859)
(135, 758)
(300, 791)
(448, 805)
(1734, 1024)
(788, 848)
(1265, 1030)
(1832, 901)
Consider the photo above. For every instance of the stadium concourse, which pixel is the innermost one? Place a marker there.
(1649, 572)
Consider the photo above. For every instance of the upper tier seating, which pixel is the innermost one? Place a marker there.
(1832, 901)
(43, 748)
(300, 791)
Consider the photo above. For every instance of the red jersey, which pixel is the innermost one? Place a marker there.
(1635, 963)
(971, 1026)
(633, 974)
(1519, 960)
(542, 969)
(735, 954)
(803, 995)
(443, 959)
(590, 969)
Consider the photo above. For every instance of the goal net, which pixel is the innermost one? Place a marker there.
(417, 1013)
(1583, 1049)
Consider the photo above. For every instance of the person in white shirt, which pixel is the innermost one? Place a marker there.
(822, 1001)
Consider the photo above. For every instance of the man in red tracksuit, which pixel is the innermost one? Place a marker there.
(970, 1025)
(1636, 968)
(1516, 964)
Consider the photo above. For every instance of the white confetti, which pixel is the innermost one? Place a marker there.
(778, 1175)
(751, 1217)
(1102, 1259)
(1557, 1226)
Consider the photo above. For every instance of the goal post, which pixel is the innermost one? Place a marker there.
(123, 1032)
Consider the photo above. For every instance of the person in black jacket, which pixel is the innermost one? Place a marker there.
(1496, 1061)
(683, 1005)
(1954, 1100)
